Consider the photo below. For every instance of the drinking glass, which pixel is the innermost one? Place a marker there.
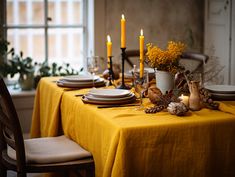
(140, 85)
(93, 67)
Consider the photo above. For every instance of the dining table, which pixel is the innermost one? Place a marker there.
(127, 142)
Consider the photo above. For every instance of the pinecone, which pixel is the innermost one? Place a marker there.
(207, 101)
(154, 109)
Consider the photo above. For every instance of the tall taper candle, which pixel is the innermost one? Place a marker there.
(109, 46)
(141, 40)
(109, 50)
(123, 32)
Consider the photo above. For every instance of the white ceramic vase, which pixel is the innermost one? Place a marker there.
(164, 81)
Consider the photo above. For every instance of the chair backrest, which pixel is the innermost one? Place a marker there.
(10, 129)
(133, 54)
(194, 62)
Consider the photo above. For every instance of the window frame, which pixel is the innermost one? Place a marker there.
(85, 26)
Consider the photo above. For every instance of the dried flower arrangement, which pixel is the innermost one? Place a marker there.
(165, 60)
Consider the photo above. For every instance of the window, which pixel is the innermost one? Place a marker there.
(48, 30)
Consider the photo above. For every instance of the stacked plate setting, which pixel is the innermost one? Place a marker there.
(80, 81)
(109, 96)
(222, 92)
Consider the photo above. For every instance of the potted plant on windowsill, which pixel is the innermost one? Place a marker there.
(45, 70)
(11, 64)
(25, 68)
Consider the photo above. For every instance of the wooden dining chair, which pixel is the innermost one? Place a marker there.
(38, 155)
(132, 57)
(190, 60)
(194, 62)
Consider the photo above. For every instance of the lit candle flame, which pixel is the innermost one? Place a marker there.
(141, 32)
(182, 96)
(123, 17)
(108, 38)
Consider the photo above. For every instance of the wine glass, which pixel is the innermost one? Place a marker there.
(140, 85)
(93, 67)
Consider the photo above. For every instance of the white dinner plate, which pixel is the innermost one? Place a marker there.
(75, 82)
(221, 88)
(107, 93)
(92, 97)
(80, 78)
(97, 83)
(86, 100)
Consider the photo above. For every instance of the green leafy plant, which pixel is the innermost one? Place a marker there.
(45, 70)
(21, 65)
(11, 64)
(5, 66)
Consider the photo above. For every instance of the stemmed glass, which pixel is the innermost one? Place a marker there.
(141, 84)
(93, 67)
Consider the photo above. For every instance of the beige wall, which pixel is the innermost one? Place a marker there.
(160, 20)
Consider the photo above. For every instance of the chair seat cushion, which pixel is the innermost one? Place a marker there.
(51, 150)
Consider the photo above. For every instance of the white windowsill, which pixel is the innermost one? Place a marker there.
(20, 93)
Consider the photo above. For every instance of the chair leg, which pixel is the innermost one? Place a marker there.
(3, 171)
(90, 173)
(77, 173)
(21, 174)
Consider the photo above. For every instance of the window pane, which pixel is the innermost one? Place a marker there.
(29, 41)
(66, 46)
(65, 12)
(25, 12)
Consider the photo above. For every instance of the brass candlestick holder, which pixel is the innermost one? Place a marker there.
(123, 86)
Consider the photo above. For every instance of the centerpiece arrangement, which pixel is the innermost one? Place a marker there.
(167, 69)
(165, 63)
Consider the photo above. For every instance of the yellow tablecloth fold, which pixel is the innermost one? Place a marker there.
(227, 106)
(45, 120)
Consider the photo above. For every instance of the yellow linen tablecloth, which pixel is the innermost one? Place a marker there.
(125, 142)
(45, 120)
